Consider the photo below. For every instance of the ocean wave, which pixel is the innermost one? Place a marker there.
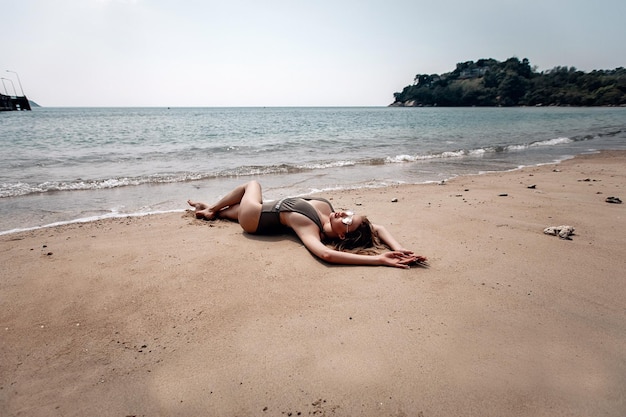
(22, 188)
(19, 189)
(478, 152)
(547, 142)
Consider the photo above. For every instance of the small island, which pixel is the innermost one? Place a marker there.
(488, 82)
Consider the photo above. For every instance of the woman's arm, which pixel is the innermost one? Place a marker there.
(310, 239)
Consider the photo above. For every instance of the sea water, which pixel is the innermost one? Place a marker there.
(60, 165)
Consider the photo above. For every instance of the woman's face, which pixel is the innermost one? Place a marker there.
(343, 222)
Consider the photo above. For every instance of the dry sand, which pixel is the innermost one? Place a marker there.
(167, 315)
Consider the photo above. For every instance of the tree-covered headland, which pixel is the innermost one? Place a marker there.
(488, 82)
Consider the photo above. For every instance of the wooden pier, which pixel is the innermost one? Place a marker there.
(12, 103)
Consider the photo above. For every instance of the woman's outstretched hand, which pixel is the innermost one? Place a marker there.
(401, 259)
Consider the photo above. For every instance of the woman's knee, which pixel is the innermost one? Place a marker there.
(253, 186)
(252, 193)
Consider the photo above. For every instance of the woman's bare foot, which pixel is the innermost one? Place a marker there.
(202, 210)
(197, 206)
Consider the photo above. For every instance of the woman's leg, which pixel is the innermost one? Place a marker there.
(243, 204)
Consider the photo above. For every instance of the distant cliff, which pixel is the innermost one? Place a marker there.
(488, 82)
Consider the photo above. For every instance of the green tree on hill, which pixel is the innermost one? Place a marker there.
(488, 82)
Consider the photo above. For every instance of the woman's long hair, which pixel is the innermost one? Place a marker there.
(364, 240)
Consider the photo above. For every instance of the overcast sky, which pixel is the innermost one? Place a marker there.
(284, 53)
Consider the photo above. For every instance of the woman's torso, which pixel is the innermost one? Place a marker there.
(293, 213)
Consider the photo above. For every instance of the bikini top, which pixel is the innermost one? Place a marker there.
(301, 205)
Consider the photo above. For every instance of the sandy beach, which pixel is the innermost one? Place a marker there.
(167, 315)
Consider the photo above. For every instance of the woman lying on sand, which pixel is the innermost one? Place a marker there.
(353, 238)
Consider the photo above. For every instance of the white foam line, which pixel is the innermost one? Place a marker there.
(90, 219)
